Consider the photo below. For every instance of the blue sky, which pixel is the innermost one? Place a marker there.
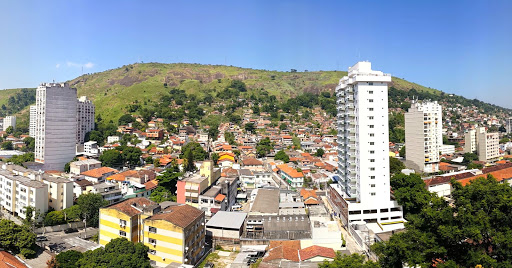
(461, 47)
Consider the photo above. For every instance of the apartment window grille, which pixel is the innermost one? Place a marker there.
(122, 233)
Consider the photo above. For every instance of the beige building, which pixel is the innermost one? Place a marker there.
(60, 191)
(470, 141)
(85, 112)
(486, 145)
(78, 167)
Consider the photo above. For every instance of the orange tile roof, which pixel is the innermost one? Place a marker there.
(285, 249)
(500, 175)
(151, 184)
(98, 172)
(287, 137)
(316, 251)
(181, 215)
(252, 162)
(7, 260)
(290, 171)
(220, 197)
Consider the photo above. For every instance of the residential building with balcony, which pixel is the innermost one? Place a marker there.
(18, 192)
(85, 116)
(488, 148)
(424, 136)
(363, 153)
(294, 178)
(109, 191)
(81, 166)
(60, 191)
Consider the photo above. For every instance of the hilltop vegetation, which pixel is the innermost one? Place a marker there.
(131, 88)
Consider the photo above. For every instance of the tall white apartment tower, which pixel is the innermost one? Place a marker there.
(363, 145)
(424, 135)
(9, 121)
(508, 124)
(55, 134)
(32, 123)
(85, 112)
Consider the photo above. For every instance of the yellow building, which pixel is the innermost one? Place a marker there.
(176, 234)
(173, 234)
(124, 219)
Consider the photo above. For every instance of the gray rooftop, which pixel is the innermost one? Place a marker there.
(266, 202)
(212, 192)
(227, 219)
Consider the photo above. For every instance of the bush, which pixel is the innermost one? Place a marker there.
(54, 218)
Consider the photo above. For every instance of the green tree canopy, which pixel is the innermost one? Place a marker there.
(17, 238)
(281, 155)
(264, 147)
(320, 152)
(90, 205)
(395, 165)
(349, 261)
(111, 158)
(198, 153)
(118, 253)
(125, 119)
(68, 259)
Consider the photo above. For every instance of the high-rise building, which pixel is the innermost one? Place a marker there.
(32, 123)
(424, 135)
(508, 124)
(363, 153)
(9, 121)
(55, 134)
(84, 118)
(486, 145)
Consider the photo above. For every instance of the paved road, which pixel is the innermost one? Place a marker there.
(72, 240)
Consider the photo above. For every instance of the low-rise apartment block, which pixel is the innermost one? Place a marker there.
(78, 167)
(18, 192)
(174, 234)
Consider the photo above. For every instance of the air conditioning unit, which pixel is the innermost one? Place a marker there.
(186, 248)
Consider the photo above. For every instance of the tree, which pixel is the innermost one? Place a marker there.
(20, 159)
(90, 205)
(349, 261)
(410, 192)
(118, 253)
(30, 144)
(215, 158)
(9, 130)
(125, 119)
(17, 238)
(54, 218)
(470, 157)
(198, 153)
(189, 161)
(402, 152)
(249, 127)
(130, 155)
(395, 165)
(213, 132)
(161, 194)
(320, 152)
(283, 126)
(51, 263)
(72, 213)
(230, 138)
(7, 145)
(281, 155)
(111, 158)
(169, 178)
(264, 147)
(68, 259)
(296, 142)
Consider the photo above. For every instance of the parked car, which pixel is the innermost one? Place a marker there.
(70, 230)
(41, 238)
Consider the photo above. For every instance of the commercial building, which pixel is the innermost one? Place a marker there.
(174, 234)
(85, 112)
(363, 140)
(9, 121)
(486, 145)
(424, 136)
(226, 225)
(32, 121)
(55, 135)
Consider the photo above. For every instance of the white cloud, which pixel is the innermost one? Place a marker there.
(88, 65)
(58, 65)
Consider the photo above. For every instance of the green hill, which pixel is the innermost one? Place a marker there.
(113, 90)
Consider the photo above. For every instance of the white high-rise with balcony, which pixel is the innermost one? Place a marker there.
(363, 146)
(424, 136)
(56, 124)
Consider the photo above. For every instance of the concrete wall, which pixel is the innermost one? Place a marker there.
(59, 228)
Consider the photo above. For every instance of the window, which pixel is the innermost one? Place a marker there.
(372, 152)
(355, 212)
(372, 160)
(371, 134)
(372, 185)
(372, 143)
(152, 229)
(370, 100)
(122, 222)
(371, 126)
(122, 233)
(370, 109)
(372, 169)
(371, 91)
(152, 241)
(372, 194)
(396, 209)
(382, 210)
(372, 177)
(370, 117)
(152, 252)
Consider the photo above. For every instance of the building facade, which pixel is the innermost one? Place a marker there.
(85, 112)
(9, 121)
(488, 148)
(508, 125)
(363, 158)
(18, 192)
(470, 141)
(32, 123)
(55, 135)
(424, 135)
